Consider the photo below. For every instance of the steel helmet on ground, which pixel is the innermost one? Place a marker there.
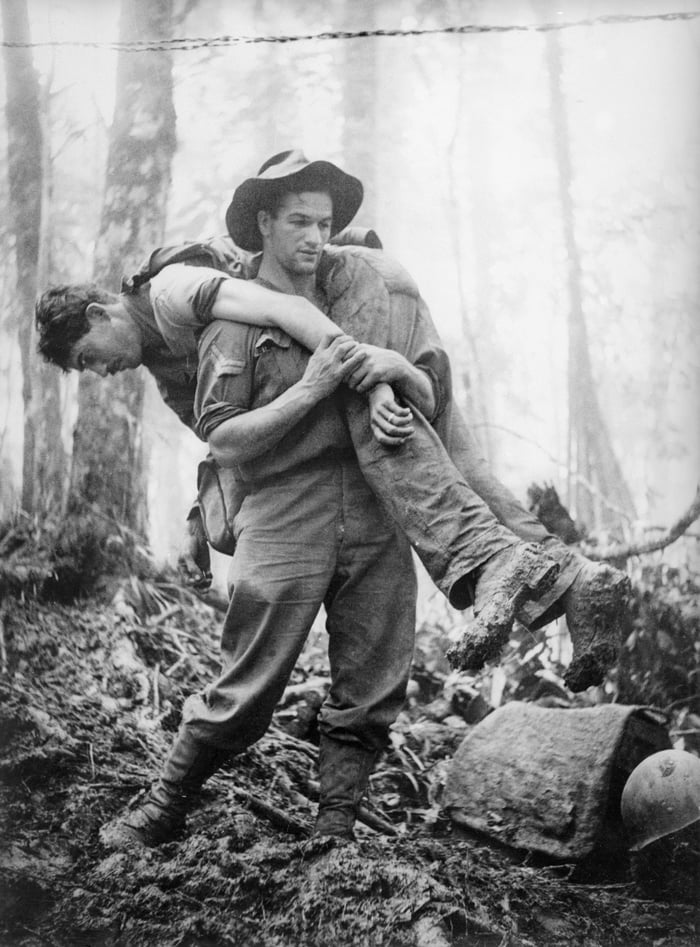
(661, 796)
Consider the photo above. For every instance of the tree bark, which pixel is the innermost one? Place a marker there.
(44, 463)
(108, 457)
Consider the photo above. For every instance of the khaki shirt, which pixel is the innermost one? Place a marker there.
(171, 312)
(242, 368)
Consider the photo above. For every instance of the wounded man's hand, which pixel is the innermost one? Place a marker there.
(390, 421)
(194, 561)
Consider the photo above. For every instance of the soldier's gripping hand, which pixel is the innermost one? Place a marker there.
(334, 360)
(375, 365)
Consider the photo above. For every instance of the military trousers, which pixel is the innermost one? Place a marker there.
(313, 537)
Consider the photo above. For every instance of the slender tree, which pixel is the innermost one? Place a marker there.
(594, 470)
(463, 214)
(359, 77)
(473, 168)
(108, 460)
(43, 464)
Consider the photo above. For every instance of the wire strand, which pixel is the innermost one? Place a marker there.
(201, 42)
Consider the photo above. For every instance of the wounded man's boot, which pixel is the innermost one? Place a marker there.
(344, 770)
(595, 607)
(161, 817)
(503, 583)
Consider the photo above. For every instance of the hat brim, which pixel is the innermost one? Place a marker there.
(345, 191)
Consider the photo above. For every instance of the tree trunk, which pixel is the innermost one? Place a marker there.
(108, 457)
(594, 471)
(473, 330)
(358, 76)
(44, 462)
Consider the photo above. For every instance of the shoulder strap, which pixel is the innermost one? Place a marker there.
(221, 253)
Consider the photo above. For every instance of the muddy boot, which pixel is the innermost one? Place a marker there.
(504, 582)
(344, 770)
(161, 816)
(595, 607)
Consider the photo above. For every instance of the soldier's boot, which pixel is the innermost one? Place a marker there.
(595, 607)
(504, 582)
(345, 769)
(161, 817)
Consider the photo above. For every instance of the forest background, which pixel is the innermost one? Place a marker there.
(540, 185)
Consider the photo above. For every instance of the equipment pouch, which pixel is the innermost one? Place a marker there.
(219, 494)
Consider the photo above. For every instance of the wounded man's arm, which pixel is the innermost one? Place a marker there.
(242, 301)
(186, 298)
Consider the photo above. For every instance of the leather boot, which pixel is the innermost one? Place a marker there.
(595, 608)
(504, 582)
(161, 817)
(345, 769)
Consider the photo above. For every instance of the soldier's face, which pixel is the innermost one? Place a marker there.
(297, 235)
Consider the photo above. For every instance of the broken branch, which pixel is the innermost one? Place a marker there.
(626, 550)
(273, 815)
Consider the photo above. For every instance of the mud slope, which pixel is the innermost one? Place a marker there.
(89, 698)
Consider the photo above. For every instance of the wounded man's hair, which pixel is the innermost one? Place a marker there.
(61, 319)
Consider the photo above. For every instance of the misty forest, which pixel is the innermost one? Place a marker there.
(534, 166)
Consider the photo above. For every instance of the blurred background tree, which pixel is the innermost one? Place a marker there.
(43, 460)
(108, 465)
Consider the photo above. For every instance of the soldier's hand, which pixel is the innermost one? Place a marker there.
(331, 363)
(375, 365)
(194, 560)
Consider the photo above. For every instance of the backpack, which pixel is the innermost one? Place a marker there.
(221, 253)
(218, 493)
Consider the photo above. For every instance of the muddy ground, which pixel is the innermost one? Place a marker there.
(89, 698)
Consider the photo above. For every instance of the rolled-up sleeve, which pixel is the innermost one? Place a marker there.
(225, 376)
(182, 298)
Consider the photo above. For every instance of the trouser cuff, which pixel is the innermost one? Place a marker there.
(550, 606)
(459, 582)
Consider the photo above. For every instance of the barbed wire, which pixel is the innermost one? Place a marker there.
(200, 42)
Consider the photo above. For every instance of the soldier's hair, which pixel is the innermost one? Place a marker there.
(61, 319)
